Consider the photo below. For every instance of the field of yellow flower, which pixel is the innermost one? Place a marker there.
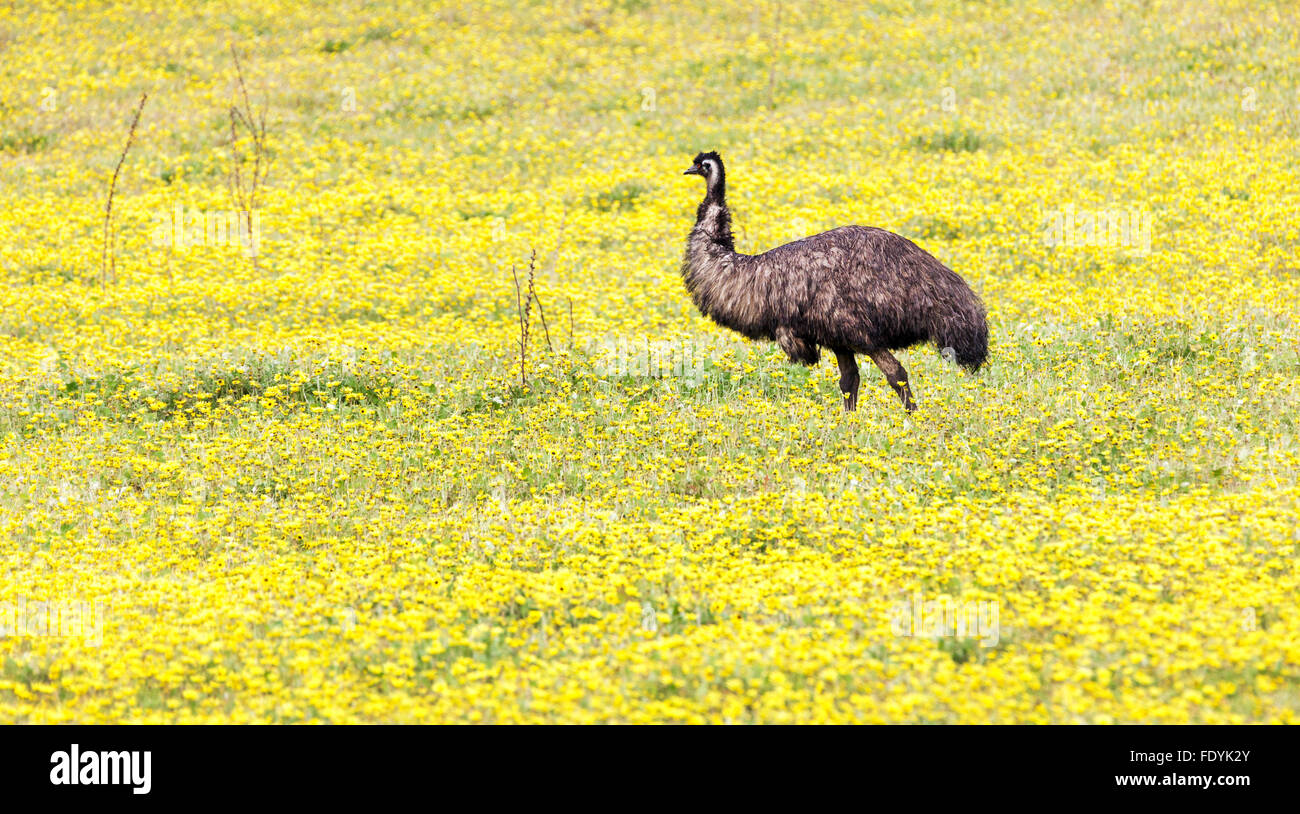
(299, 479)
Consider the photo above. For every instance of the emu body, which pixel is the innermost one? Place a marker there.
(851, 290)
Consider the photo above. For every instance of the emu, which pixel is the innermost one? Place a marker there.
(855, 289)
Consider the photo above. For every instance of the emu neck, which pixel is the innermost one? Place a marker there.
(712, 230)
(720, 288)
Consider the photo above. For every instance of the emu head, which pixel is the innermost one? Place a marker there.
(709, 165)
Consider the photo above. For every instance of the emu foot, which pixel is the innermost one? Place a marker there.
(905, 395)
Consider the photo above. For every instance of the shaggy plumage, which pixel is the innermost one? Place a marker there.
(855, 289)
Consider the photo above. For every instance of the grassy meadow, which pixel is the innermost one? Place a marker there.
(292, 474)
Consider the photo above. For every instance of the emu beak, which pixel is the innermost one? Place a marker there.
(695, 170)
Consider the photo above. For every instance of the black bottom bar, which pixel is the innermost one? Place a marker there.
(332, 764)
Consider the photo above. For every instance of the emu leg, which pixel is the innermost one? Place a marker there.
(895, 375)
(848, 379)
(800, 350)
